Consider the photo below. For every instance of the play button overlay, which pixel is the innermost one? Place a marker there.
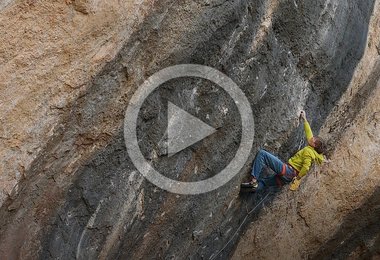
(186, 123)
(184, 129)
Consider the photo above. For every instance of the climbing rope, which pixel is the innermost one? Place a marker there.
(237, 230)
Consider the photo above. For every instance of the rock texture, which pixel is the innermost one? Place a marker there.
(334, 215)
(68, 70)
(49, 54)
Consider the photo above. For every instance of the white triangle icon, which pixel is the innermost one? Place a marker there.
(184, 129)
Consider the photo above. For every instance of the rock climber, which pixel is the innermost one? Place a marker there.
(291, 172)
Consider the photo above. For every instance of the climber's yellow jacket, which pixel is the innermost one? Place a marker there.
(303, 159)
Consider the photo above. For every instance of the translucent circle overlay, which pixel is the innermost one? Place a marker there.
(130, 129)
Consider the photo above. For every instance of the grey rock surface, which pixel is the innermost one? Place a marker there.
(284, 55)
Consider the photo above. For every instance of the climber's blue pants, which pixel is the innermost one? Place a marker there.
(283, 172)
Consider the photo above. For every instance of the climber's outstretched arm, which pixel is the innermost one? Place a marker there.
(308, 133)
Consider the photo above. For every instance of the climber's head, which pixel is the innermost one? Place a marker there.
(317, 143)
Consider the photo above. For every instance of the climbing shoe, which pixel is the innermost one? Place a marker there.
(250, 184)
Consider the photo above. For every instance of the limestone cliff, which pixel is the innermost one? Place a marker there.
(68, 189)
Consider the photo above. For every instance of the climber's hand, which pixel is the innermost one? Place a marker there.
(303, 114)
(294, 185)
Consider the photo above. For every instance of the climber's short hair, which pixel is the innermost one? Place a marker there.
(319, 145)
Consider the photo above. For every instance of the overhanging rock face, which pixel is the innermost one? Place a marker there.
(69, 189)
